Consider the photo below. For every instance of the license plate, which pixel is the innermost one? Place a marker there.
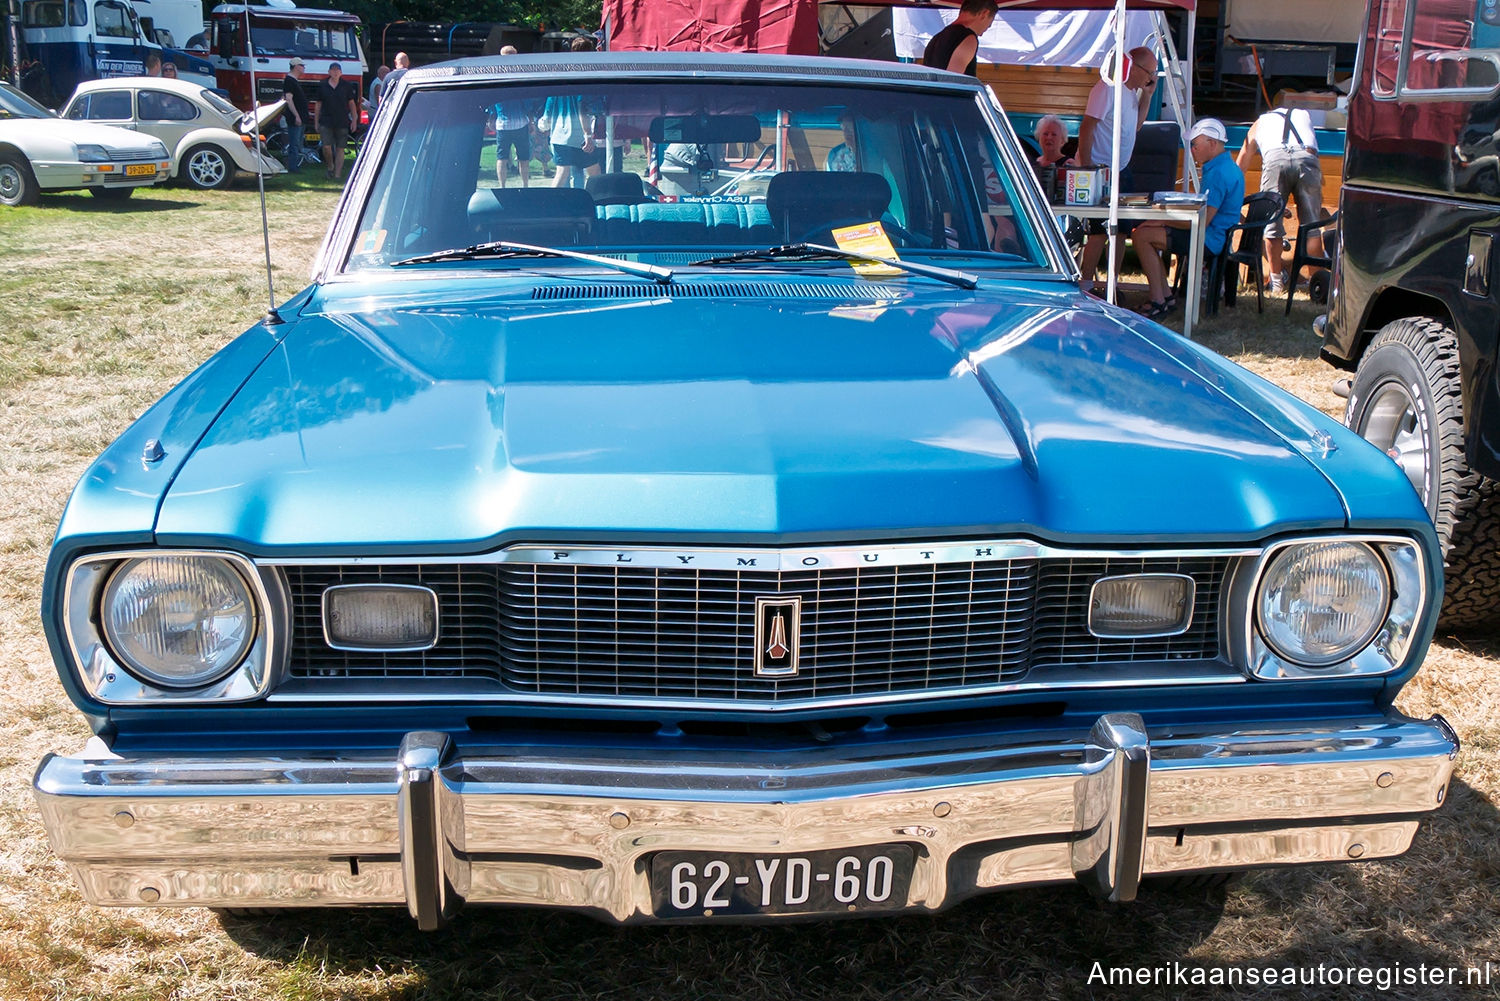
(140, 170)
(713, 884)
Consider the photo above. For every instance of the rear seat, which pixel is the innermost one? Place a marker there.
(564, 216)
(663, 224)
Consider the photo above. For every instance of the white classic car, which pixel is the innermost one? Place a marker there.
(197, 125)
(41, 152)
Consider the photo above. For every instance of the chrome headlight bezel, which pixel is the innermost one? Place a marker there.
(1388, 649)
(108, 680)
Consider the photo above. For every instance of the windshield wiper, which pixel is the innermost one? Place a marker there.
(503, 248)
(817, 251)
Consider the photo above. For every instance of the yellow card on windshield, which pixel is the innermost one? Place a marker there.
(867, 238)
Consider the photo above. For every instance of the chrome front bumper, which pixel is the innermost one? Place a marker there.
(432, 828)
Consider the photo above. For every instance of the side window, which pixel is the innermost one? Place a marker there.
(1445, 49)
(79, 109)
(112, 20)
(1387, 43)
(1449, 53)
(107, 106)
(42, 14)
(159, 106)
(229, 38)
(78, 13)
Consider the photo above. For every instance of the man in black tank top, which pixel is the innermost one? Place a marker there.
(956, 47)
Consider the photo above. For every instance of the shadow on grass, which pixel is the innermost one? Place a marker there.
(1029, 936)
(1043, 943)
(83, 202)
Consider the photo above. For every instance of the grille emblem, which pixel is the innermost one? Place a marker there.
(778, 631)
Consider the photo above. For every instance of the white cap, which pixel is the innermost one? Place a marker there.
(1211, 127)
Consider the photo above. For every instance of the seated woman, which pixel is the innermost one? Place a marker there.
(1050, 135)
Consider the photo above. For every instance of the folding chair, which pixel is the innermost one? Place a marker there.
(1301, 258)
(1259, 209)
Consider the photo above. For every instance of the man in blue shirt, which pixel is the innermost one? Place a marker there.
(1223, 188)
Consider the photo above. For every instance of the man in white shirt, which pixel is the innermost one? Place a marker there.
(1096, 141)
(1288, 149)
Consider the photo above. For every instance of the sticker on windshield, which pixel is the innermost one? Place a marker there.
(868, 238)
(370, 242)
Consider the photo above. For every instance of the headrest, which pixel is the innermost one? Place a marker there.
(802, 198)
(616, 189)
(530, 204)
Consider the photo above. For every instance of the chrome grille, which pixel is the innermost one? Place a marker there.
(119, 155)
(690, 633)
(601, 631)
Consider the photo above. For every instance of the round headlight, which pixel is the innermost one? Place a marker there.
(178, 621)
(1322, 602)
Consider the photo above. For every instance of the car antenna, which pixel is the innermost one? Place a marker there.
(272, 318)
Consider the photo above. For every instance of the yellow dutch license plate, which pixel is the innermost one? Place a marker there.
(140, 170)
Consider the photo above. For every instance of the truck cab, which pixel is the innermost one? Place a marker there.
(252, 48)
(77, 40)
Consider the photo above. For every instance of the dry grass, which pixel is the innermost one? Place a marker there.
(103, 310)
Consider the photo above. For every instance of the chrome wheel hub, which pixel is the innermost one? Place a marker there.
(1390, 423)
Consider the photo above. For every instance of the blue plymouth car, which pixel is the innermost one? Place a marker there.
(746, 519)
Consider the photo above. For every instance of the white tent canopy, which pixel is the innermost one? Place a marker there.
(1026, 38)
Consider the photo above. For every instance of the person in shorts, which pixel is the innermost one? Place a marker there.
(1288, 149)
(512, 135)
(1096, 147)
(1223, 190)
(338, 111)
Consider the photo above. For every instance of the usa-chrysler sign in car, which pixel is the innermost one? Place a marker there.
(616, 545)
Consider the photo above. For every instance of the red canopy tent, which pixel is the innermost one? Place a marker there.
(782, 26)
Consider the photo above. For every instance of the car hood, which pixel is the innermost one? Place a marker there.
(55, 130)
(417, 415)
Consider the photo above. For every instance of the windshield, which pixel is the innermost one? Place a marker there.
(308, 39)
(14, 104)
(694, 167)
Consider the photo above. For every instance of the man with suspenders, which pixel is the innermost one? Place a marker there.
(1288, 149)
